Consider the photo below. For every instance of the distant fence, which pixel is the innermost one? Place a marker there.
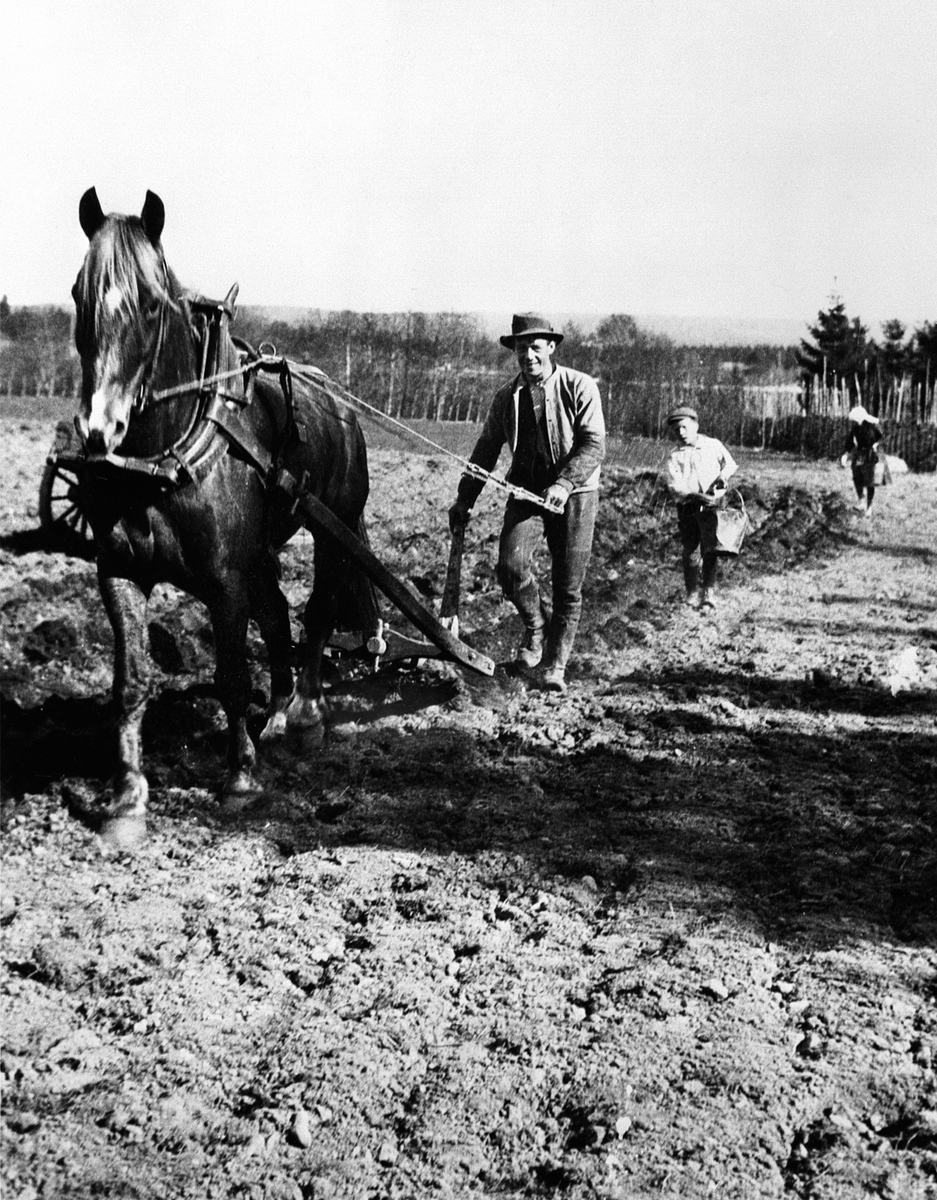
(901, 400)
(811, 436)
(766, 419)
(825, 437)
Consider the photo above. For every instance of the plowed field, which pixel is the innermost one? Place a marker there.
(669, 934)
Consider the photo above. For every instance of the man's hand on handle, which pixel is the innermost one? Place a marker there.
(556, 496)
(458, 515)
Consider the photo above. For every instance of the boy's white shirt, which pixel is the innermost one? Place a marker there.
(692, 469)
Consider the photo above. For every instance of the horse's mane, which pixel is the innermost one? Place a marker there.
(122, 256)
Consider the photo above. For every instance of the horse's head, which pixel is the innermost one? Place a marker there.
(122, 297)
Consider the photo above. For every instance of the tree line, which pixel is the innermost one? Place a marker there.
(439, 366)
(445, 366)
(894, 377)
(37, 354)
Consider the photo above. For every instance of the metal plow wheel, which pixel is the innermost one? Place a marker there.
(61, 515)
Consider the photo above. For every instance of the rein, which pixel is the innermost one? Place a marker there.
(318, 378)
(270, 361)
(196, 385)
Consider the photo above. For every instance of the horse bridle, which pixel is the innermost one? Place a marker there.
(267, 355)
(144, 395)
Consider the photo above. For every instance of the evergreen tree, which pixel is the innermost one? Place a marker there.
(924, 355)
(838, 356)
(892, 358)
(893, 352)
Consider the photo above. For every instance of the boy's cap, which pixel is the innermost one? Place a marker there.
(678, 414)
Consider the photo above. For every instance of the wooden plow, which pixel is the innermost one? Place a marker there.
(385, 644)
(63, 520)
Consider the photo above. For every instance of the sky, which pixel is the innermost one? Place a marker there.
(710, 158)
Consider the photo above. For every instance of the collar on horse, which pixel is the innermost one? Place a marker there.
(224, 392)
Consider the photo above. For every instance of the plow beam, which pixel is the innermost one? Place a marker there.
(322, 519)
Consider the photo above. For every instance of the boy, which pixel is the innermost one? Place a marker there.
(697, 472)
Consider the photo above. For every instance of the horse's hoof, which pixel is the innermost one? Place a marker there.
(123, 833)
(275, 727)
(305, 713)
(239, 792)
(131, 792)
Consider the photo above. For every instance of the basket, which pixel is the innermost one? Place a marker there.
(726, 526)
(881, 476)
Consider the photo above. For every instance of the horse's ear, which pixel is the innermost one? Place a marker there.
(90, 213)
(153, 217)
(231, 299)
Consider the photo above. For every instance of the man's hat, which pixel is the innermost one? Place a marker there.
(530, 325)
(678, 414)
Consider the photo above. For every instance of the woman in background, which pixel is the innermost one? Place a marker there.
(866, 453)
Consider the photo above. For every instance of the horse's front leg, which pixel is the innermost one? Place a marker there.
(229, 616)
(125, 602)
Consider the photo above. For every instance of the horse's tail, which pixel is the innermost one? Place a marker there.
(356, 598)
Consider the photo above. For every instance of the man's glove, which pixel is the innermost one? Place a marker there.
(458, 515)
(556, 496)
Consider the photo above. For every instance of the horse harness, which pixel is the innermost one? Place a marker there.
(228, 369)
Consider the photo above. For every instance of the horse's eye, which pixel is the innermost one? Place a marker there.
(152, 310)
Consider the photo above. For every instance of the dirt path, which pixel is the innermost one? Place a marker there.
(671, 934)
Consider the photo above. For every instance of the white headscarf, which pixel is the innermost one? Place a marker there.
(858, 414)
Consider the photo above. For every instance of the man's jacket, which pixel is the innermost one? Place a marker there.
(575, 431)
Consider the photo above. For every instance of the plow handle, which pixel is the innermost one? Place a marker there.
(449, 606)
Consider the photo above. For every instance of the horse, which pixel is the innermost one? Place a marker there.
(180, 486)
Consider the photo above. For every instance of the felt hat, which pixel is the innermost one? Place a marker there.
(677, 414)
(858, 414)
(530, 325)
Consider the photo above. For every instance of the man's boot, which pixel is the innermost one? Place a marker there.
(530, 651)
(562, 637)
(527, 602)
(554, 679)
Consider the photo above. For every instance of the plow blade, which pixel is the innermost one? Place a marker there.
(322, 519)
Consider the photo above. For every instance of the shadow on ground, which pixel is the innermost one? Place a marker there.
(57, 540)
(808, 837)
